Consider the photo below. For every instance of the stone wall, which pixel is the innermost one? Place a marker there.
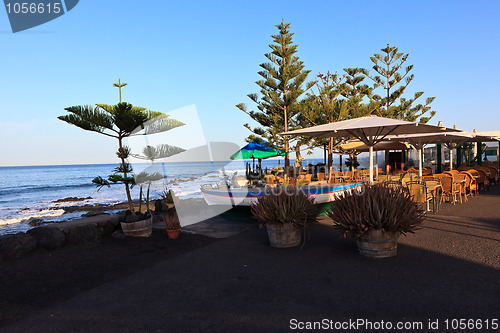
(57, 235)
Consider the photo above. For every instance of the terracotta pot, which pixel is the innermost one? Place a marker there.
(173, 234)
(378, 244)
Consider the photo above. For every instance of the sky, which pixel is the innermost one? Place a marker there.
(206, 54)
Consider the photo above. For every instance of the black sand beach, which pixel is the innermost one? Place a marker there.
(448, 270)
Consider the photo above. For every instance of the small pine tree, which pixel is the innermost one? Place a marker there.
(281, 87)
(391, 74)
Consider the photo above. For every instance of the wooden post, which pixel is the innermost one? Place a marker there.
(438, 158)
(479, 153)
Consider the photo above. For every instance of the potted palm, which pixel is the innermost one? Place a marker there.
(283, 214)
(376, 217)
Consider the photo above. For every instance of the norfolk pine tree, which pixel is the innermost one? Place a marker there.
(389, 66)
(281, 86)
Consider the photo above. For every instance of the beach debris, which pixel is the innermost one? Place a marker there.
(50, 238)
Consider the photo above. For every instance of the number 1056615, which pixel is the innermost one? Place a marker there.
(33, 8)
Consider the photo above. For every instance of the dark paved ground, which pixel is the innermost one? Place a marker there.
(448, 270)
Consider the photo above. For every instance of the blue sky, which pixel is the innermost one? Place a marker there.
(207, 53)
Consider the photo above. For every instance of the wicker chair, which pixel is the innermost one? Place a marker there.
(396, 184)
(449, 189)
(321, 176)
(358, 175)
(462, 186)
(493, 174)
(483, 179)
(347, 176)
(472, 184)
(418, 192)
(335, 177)
(428, 178)
(427, 171)
(452, 172)
(413, 170)
(475, 175)
(408, 177)
(270, 179)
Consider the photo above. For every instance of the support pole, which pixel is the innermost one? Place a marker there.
(479, 153)
(439, 161)
(371, 165)
(420, 162)
(459, 156)
(450, 147)
(376, 163)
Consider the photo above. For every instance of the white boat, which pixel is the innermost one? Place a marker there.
(244, 196)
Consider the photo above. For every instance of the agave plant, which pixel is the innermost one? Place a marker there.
(172, 221)
(287, 206)
(376, 207)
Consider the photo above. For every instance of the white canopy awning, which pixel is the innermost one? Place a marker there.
(370, 130)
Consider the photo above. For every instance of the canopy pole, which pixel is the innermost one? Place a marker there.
(376, 163)
(371, 165)
(479, 153)
(451, 157)
(438, 158)
(420, 162)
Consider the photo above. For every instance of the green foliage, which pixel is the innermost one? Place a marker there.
(167, 196)
(146, 177)
(352, 162)
(120, 121)
(281, 86)
(161, 151)
(288, 206)
(171, 221)
(376, 207)
(393, 79)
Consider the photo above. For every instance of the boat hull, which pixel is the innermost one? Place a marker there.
(246, 197)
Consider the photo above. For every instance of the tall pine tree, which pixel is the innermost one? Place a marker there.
(389, 67)
(281, 86)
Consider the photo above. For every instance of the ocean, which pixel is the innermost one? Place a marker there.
(28, 194)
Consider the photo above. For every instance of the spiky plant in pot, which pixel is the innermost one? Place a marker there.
(283, 213)
(375, 213)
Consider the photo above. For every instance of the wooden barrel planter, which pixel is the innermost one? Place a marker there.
(378, 244)
(284, 235)
(142, 228)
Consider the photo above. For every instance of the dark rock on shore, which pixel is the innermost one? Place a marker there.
(72, 199)
(12, 246)
(84, 234)
(48, 238)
